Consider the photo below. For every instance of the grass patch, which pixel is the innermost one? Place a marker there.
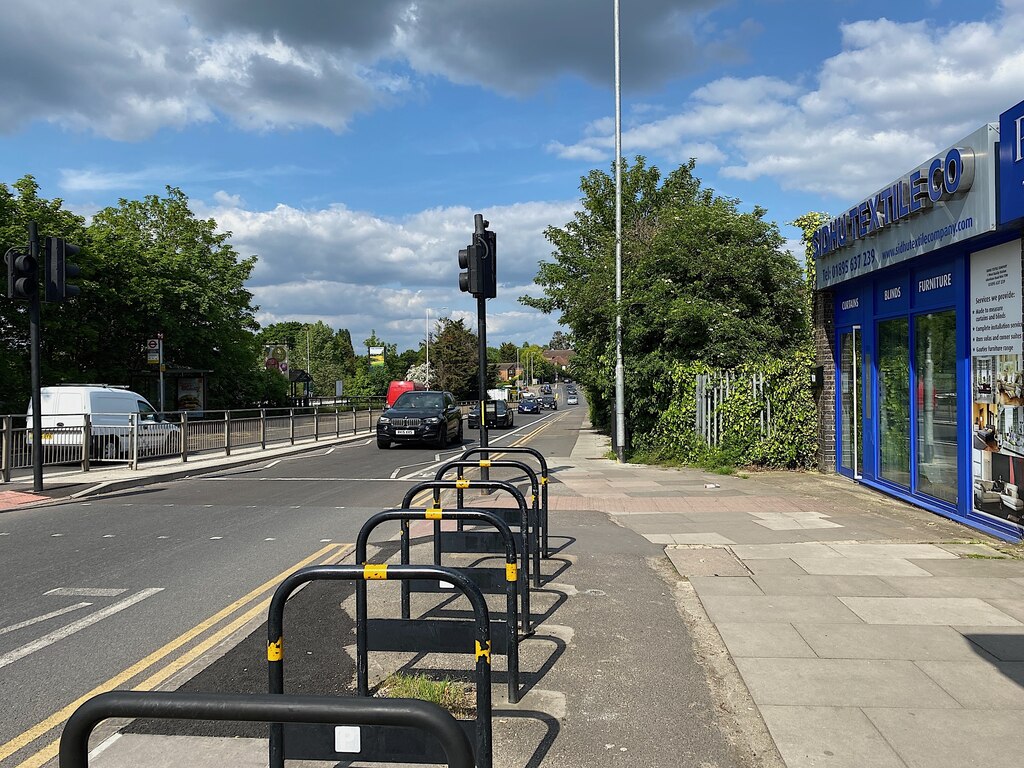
(976, 556)
(452, 695)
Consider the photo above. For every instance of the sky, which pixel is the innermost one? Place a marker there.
(348, 143)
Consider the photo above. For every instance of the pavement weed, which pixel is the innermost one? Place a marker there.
(452, 695)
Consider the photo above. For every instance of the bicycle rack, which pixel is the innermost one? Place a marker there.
(383, 744)
(485, 579)
(355, 714)
(544, 476)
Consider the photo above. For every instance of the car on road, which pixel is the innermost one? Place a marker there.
(499, 414)
(545, 389)
(572, 400)
(549, 402)
(426, 416)
(529, 405)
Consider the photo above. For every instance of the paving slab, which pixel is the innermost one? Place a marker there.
(906, 551)
(1002, 569)
(787, 524)
(979, 684)
(973, 548)
(1014, 608)
(788, 609)
(705, 561)
(868, 586)
(765, 641)
(887, 641)
(724, 585)
(701, 538)
(782, 566)
(1004, 643)
(928, 610)
(792, 550)
(838, 565)
(131, 750)
(954, 586)
(828, 737)
(938, 738)
(841, 683)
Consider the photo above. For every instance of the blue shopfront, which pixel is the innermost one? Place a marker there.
(924, 283)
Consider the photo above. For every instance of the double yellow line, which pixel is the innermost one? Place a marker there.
(328, 554)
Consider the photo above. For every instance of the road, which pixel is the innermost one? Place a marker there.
(127, 590)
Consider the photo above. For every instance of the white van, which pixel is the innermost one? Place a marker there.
(109, 409)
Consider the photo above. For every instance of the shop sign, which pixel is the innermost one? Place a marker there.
(948, 199)
(1011, 165)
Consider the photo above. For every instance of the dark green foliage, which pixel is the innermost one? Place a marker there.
(702, 282)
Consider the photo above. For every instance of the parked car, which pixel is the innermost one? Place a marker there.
(421, 416)
(499, 414)
(110, 410)
(529, 405)
(572, 400)
(549, 402)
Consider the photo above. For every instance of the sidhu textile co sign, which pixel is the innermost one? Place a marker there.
(949, 198)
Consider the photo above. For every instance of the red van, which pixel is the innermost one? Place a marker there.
(395, 388)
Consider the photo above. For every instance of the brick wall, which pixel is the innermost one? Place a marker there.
(824, 355)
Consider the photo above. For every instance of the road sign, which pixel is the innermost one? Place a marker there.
(153, 344)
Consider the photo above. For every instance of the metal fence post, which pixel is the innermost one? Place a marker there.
(263, 429)
(354, 428)
(337, 422)
(227, 433)
(86, 441)
(316, 423)
(133, 425)
(369, 418)
(184, 436)
(5, 453)
(291, 426)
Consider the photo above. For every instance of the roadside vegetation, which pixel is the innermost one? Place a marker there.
(706, 287)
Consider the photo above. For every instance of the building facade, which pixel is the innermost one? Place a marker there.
(918, 320)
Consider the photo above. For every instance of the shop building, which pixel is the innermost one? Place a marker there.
(918, 329)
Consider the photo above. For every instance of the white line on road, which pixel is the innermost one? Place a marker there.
(329, 451)
(272, 464)
(44, 617)
(76, 626)
(85, 592)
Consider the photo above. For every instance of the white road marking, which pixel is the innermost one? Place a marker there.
(216, 538)
(5, 533)
(325, 541)
(85, 592)
(109, 535)
(107, 743)
(163, 537)
(272, 464)
(76, 626)
(56, 535)
(329, 451)
(44, 617)
(270, 539)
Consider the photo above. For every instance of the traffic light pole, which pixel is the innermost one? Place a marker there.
(37, 398)
(481, 324)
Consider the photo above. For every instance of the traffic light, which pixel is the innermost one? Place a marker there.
(22, 275)
(59, 269)
(487, 255)
(469, 280)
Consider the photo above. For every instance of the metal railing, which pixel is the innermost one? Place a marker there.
(97, 438)
(713, 389)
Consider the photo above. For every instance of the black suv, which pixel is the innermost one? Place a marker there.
(549, 402)
(421, 416)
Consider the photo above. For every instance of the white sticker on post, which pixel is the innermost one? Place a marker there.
(445, 585)
(346, 739)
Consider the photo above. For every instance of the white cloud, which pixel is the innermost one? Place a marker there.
(861, 118)
(363, 272)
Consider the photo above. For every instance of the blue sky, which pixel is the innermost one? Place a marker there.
(348, 143)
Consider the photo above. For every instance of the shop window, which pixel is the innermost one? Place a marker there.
(935, 371)
(894, 400)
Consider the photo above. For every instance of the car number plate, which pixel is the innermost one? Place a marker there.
(405, 431)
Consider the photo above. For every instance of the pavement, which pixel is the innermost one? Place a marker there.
(797, 619)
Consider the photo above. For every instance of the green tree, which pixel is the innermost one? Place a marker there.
(19, 205)
(507, 352)
(560, 340)
(159, 268)
(702, 281)
(453, 358)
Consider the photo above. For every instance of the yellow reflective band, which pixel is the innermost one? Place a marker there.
(275, 651)
(375, 572)
(462, 482)
(511, 572)
(434, 513)
(485, 652)
(533, 498)
(543, 480)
